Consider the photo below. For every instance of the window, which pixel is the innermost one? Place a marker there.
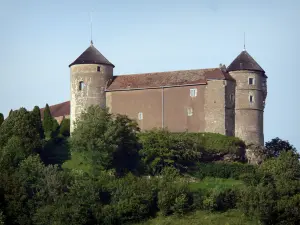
(251, 81)
(251, 98)
(140, 115)
(98, 68)
(231, 97)
(189, 111)
(81, 85)
(193, 92)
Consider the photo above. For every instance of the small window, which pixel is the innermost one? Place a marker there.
(98, 68)
(189, 111)
(81, 85)
(193, 92)
(231, 97)
(140, 115)
(251, 98)
(251, 81)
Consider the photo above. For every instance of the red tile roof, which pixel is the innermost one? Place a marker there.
(171, 78)
(61, 109)
(151, 80)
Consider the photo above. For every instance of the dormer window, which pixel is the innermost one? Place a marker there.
(251, 81)
(98, 68)
(81, 85)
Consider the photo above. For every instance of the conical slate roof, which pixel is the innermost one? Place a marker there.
(244, 61)
(91, 56)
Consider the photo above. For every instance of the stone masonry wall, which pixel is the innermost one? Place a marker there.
(249, 116)
(93, 92)
(214, 106)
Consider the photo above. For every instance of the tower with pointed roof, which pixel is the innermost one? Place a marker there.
(90, 74)
(250, 97)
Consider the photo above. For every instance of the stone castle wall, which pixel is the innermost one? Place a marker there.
(93, 89)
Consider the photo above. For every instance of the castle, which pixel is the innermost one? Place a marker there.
(229, 101)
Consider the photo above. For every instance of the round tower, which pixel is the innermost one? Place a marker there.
(250, 97)
(90, 74)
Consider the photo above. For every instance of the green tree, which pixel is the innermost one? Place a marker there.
(36, 114)
(162, 149)
(1, 118)
(108, 141)
(21, 124)
(50, 124)
(64, 128)
(276, 146)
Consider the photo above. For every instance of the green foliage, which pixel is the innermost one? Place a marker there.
(21, 124)
(2, 218)
(231, 217)
(1, 118)
(132, 199)
(275, 199)
(64, 129)
(107, 141)
(50, 124)
(222, 170)
(36, 114)
(217, 143)
(277, 145)
(174, 197)
(11, 154)
(210, 183)
(56, 151)
(161, 148)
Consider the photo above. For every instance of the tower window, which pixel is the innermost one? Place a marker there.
(231, 96)
(193, 92)
(81, 85)
(98, 68)
(189, 111)
(140, 115)
(251, 81)
(251, 98)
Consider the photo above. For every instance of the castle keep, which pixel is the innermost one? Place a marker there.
(229, 101)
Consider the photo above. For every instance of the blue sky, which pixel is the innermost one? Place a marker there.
(39, 39)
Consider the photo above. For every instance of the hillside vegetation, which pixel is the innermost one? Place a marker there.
(109, 172)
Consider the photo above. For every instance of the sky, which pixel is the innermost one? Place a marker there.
(39, 39)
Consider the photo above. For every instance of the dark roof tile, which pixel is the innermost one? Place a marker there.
(91, 56)
(61, 109)
(244, 61)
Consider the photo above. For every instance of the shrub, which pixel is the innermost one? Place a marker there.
(223, 170)
(174, 197)
(220, 199)
(132, 199)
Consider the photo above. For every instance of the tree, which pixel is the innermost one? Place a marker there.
(108, 141)
(277, 145)
(50, 125)
(1, 118)
(36, 114)
(21, 124)
(65, 127)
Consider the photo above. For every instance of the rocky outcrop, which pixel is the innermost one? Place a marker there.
(255, 154)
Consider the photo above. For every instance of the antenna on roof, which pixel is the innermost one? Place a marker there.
(244, 41)
(91, 28)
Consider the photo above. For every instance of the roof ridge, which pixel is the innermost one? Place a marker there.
(170, 71)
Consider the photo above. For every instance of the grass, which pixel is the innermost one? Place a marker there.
(217, 183)
(232, 217)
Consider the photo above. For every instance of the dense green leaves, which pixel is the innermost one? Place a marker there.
(21, 124)
(1, 118)
(276, 146)
(50, 124)
(64, 128)
(107, 141)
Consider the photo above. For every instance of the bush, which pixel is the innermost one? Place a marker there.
(132, 199)
(223, 170)
(174, 197)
